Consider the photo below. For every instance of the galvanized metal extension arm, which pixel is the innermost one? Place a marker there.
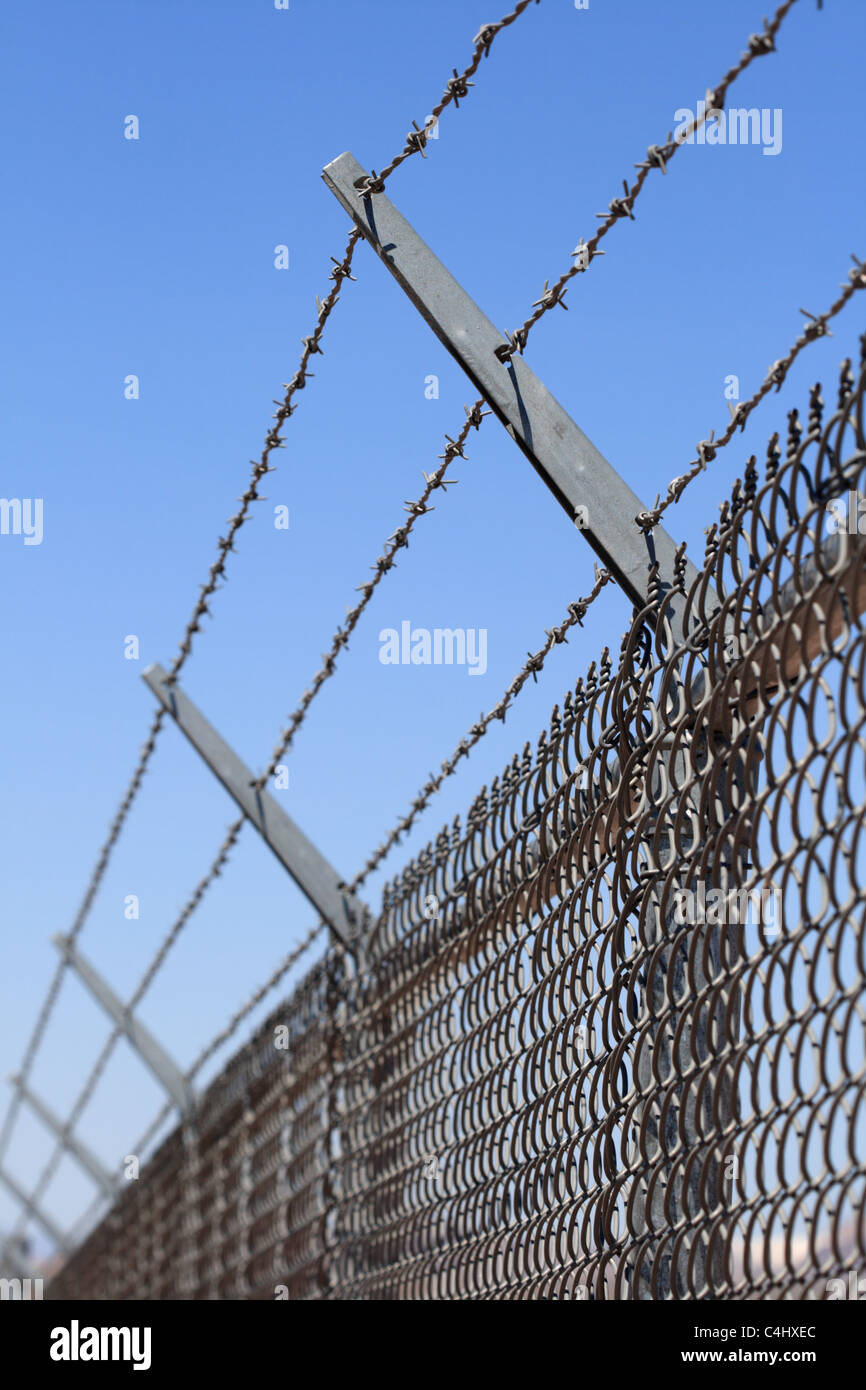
(311, 871)
(581, 479)
(80, 1151)
(154, 1057)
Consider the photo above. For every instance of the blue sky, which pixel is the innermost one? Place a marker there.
(155, 257)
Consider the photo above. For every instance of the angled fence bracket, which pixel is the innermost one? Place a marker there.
(155, 1058)
(311, 871)
(67, 1140)
(591, 491)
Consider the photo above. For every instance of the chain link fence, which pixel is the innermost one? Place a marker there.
(608, 1037)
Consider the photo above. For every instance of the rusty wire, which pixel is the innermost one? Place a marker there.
(555, 636)
(542, 1084)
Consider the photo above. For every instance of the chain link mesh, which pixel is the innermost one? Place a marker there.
(583, 1059)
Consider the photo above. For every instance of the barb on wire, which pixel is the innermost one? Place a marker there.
(456, 89)
(531, 667)
(708, 448)
(657, 157)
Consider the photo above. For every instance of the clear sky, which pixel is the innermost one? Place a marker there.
(155, 258)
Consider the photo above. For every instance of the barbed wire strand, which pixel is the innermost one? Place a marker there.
(454, 448)
(456, 89)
